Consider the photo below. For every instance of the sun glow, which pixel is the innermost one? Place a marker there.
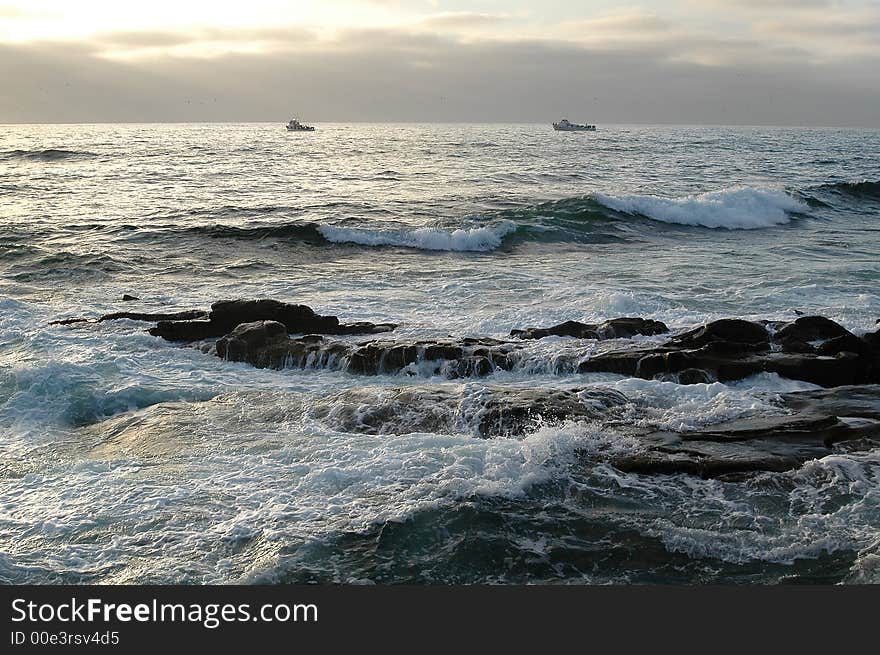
(60, 20)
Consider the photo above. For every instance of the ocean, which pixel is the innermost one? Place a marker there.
(131, 459)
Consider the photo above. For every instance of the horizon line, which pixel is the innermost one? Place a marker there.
(436, 122)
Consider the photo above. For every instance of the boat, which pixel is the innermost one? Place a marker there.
(295, 126)
(565, 126)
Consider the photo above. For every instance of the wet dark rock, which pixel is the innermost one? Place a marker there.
(249, 341)
(136, 316)
(513, 412)
(617, 328)
(816, 422)
(733, 349)
(225, 315)
(748, 335)
(795, 345)
(693, 376)
(265, 344)
(812, 328)
(128, 298)
(845, 343)
(491, 411)
(154, 317)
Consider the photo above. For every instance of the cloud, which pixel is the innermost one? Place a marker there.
(779, 4)
(398, 75)
(837, 34)
(461, 20)
(16, 13)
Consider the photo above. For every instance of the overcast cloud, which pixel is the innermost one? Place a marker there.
(715, 62)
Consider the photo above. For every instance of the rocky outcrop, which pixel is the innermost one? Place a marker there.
(813, 349)
(137, 316)
(817, 421)
(616, 328)
(265, 344)
(226, 315)
(493, 411)
(725, 350)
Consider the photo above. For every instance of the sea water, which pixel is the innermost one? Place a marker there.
(128, 459)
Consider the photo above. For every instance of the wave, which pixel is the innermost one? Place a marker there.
(477, 239)
(857, 189)
(742, 208)
(304, 232)
(48, 154)
(588, 219)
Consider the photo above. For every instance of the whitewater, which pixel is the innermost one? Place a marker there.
(130, 459)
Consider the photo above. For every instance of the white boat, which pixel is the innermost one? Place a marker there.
(295, 126)
(565, 126)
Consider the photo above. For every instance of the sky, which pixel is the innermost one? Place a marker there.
(722, 62)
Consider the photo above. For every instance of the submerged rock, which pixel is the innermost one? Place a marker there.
(817, 420)
(490, 411)
(616, 328)
(137, 316)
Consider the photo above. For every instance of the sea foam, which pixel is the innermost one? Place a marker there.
(742, 208)
(477, 239)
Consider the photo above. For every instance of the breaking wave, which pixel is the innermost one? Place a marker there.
(477, 239)
(595, 218)
(742, 208)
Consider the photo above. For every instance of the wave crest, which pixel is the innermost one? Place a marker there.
(477, 239)
(742, 208)
(856, 188)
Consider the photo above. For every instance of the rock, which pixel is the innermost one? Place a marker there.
(245, 342)
(815, 422)
(154, 317)
(693, 376)
(625, 328)
(617, 328)
(128, 298)
(136, 316)
(732, 349)
(844, 343)
(299, 319)
(792, 344)
(748, 334)
(516, 411)
(491, 412)
(265, 345)
(227, 314)
(186, 330)
(812, 328)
